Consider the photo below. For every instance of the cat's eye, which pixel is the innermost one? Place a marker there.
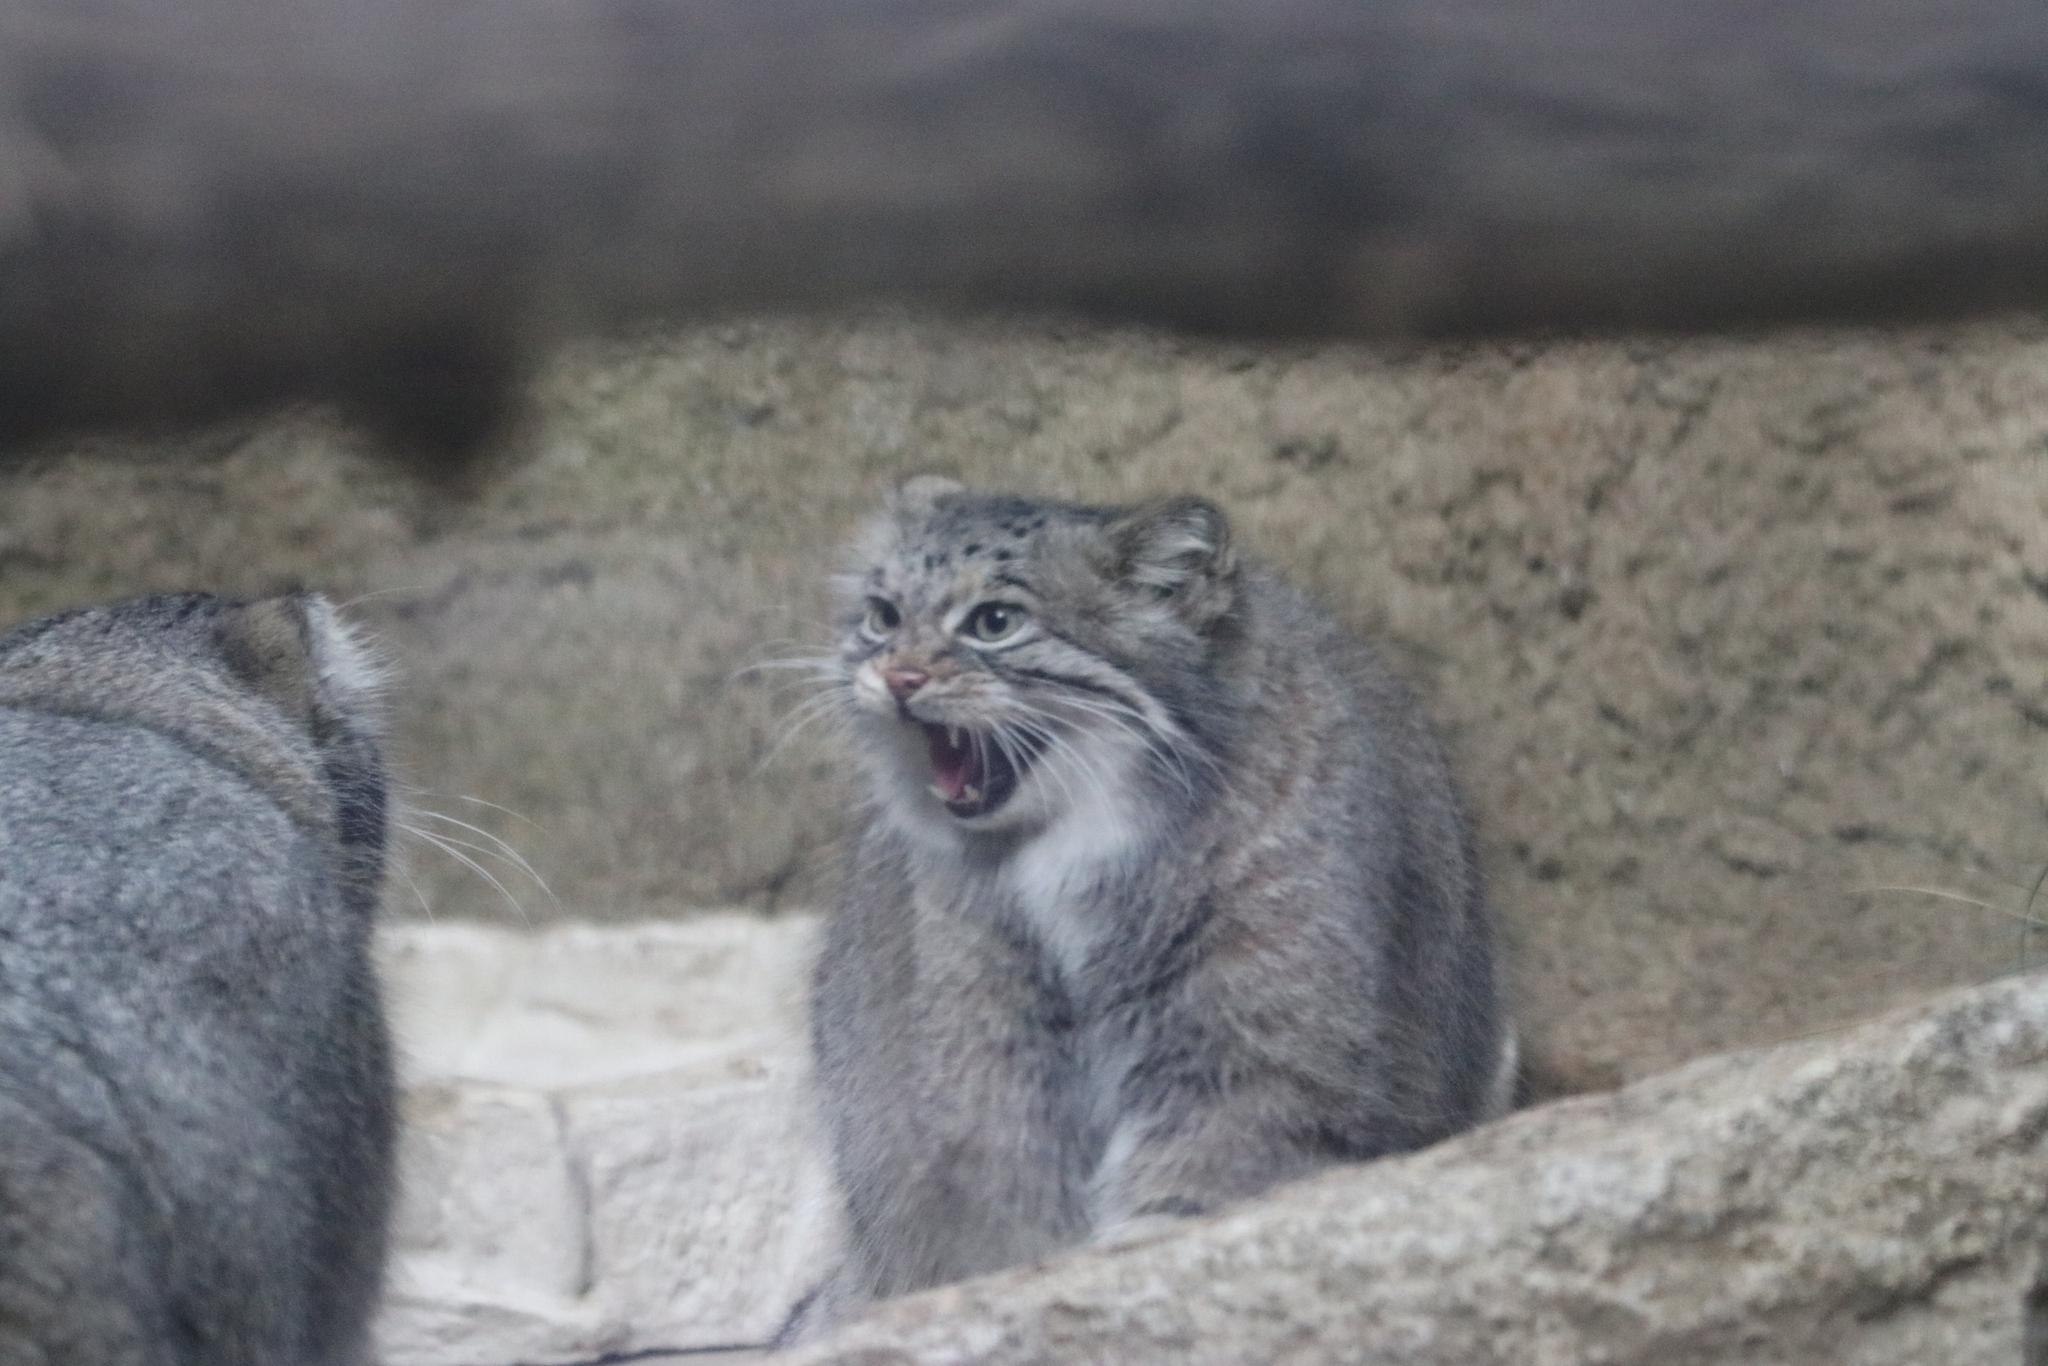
(993, 621)
(882, 616)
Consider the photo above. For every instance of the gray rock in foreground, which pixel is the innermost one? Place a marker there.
(1876, 1196)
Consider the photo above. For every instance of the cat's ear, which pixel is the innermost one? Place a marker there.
(296, 651)
(1178, 548)
(915, 497)
(268, 647)
(352, 673)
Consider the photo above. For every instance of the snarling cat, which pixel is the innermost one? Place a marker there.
(1159, 893)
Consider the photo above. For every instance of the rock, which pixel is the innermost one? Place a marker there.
(1877, 1198)
(578, 1004)
(609, 1152)
(607, 1140)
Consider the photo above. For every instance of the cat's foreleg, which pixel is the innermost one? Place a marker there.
(1194, 1153)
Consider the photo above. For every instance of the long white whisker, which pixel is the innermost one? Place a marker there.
(1134, 724)
(1065, 758)
(821, 664)
(1062, 754)
(1175, 747)
(1012, 749)
(827, 705)
(1945, 895)
(412, 790)
(425, 909)
(493, 846)
(818, 667)
(445, 847)
(1125, 719)
(511, 855)
(515, 815)
(793, 642)
(379, 593)
(1152, 718)
(825, 699)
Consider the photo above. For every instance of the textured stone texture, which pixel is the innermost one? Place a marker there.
(607, 1144)
(1728, 634)
(1875, 1199)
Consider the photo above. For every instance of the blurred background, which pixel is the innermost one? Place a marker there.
(564, 343)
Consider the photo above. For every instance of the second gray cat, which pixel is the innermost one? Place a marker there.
(196, 1104)
(1159, 892)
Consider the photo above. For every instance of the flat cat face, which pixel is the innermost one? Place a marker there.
(1010, 660)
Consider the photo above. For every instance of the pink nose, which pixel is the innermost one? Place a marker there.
(903, 682)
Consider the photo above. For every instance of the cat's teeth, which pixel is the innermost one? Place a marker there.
(970, 793)
(953, 734)
(938, 792)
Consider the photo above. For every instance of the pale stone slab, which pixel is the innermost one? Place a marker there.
(575, 1004)
(1873, 1197)
(607, 1146)
(707, 1219)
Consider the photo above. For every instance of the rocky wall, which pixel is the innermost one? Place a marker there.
(1732, 637)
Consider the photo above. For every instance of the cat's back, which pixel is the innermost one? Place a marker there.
(1339, 845)
(158, 912)
(196, 1110)
(119, 815)
(1329, 732)
(169, 806)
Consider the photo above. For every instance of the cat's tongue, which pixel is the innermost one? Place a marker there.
(954, 767)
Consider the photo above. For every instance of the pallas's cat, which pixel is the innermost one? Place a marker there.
(1159, 891)
(196, 1105)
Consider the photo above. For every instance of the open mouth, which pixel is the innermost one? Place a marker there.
(971, 774)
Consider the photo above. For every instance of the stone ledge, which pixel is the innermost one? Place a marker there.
(1876, 1197)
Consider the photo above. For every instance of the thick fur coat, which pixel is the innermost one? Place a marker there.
(196, 1103)
(1160, 892)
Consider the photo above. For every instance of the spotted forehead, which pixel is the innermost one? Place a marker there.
(965, 546)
